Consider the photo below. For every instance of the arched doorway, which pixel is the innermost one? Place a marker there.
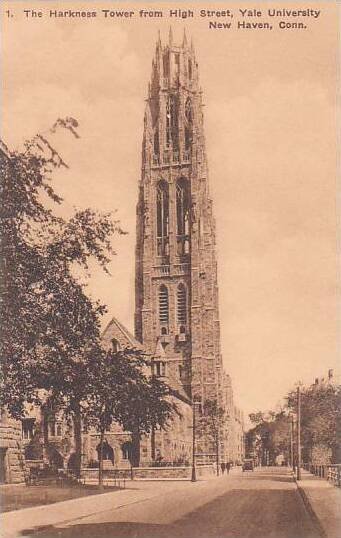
(107, 451)
(126, 451)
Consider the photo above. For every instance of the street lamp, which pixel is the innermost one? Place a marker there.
(298, 433)
(194, 475)
(292, 462)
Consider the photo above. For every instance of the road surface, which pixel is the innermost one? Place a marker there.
(260, 504)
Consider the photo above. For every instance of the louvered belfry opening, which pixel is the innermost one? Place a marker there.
(181, 305)
(163, 309)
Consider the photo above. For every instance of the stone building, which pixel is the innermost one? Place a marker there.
(234, 426)
(176, 289)
(177, 315)
(12, 460)
(48, 437)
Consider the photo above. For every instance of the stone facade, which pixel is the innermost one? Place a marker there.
(171, 445)
(177, 316)
(12, 460)
(48, 439)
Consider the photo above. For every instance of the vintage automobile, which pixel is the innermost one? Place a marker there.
(248, 465)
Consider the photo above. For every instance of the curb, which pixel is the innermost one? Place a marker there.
(316, 521)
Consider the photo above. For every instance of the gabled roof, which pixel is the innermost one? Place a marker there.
(4, 149)
(115, 330)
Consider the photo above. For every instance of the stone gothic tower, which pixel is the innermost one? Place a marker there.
(177, 317)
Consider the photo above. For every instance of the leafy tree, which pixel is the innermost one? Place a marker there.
(320, 416)
(212, 420)
(123, 391)
(50, 327)
(270, 437)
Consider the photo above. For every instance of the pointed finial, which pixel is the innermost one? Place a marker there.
(184, 41)
(170, 36)
(159, 39)
(192, 45)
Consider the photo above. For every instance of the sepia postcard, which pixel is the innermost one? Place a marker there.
(170, 269)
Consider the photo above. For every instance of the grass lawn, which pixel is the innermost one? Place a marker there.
(17, 497)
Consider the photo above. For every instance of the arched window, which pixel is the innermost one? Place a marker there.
(182, 216)
(172, 122)
(115, 345)
(189, 69)
(188, 124)
(163, 306)
(166, 64)
(156, 142)
(126, 450)
(162, 218)
(181, 305)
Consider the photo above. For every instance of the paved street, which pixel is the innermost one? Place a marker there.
(259, 504)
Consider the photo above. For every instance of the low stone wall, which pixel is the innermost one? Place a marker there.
(108, 474)
(161, 472)
(151, 473)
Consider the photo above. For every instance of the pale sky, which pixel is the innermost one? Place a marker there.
(270, 124)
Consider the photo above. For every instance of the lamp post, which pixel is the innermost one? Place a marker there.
(194, 474)
(292, 463)
(298, 433)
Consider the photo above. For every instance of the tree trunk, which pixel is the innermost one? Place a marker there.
(217, 453)
(77, 425)
(152, 440)
(100, 467)
(136, 447)
(45, 415)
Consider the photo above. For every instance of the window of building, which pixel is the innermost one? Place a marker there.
(27, 428)
(172, 122)
(182, 306)
(115, 345)
(163, 308)
(156, 142)
(162, 218)
(182, 216)
(126, 450)
(190, 69)
(159, 368)
(177, 62)
(166, 64)
(52, 428)
(188, 124)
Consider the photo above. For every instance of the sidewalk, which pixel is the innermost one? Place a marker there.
(12, 524)
(323, 502)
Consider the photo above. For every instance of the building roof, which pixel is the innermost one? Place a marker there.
(4, 149)
(115, 330)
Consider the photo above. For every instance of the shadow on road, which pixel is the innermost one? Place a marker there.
(243, 513)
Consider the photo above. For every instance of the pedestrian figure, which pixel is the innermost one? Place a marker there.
(228, 466)
(222, 465)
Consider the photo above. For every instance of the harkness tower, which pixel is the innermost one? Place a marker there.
(177, 316)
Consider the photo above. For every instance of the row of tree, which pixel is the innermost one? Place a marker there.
(50, 329)
(273, 434)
